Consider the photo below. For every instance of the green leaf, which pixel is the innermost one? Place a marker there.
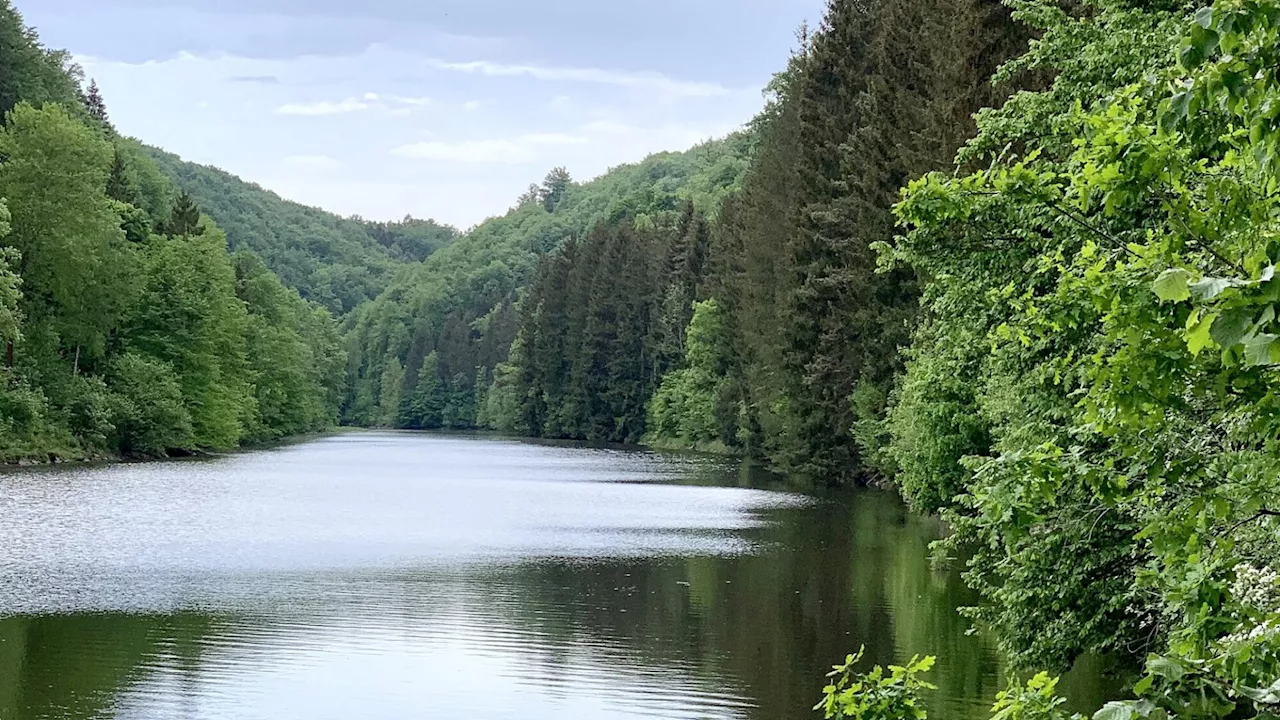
(1179, 105)
(1260, 349)
(1115, 711)
(1210, 287)
(1198, 335)
(1266, 696)
(1191, 57)
(1206, 40)
(1165, 668)
(1143, 685)
(1172, 285)
(1230, 328)
(1204, 17)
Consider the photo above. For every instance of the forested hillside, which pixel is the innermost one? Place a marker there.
(795, 348)
(334, 261)
(431, 351)
(127, 327)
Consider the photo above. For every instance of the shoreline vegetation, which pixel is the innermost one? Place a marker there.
(39, 460)
(1016, 259)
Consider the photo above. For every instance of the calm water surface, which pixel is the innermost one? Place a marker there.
(383, 575)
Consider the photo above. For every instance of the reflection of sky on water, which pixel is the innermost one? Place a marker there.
(190, 534)
(447, 655)
(392, 575)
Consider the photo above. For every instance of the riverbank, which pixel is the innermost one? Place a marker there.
(64, 452)
(711, 448)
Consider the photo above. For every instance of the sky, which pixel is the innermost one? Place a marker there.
(444, 109)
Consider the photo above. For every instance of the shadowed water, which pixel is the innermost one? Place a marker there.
(385, 575)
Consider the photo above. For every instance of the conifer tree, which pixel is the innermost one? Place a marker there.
(883, 93)
(119, 185)
(184, 220)
(96, 105)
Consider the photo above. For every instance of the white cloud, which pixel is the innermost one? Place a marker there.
(494, 133)
(369, 101)
(313, 162)
(646, 79)
(485, 152)
(413, 101)
(514, 151)
(324, 107)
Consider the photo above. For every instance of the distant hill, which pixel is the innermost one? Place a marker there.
(462, 303)
(335, 261)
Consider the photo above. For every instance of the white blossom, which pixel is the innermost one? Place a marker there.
(1258, 588)
(1253, 635)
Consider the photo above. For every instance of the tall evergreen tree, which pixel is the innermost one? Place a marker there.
(96, 105)
(184, 220)
(750, 264)
(587, 354)
(880, 94)
(119, 184)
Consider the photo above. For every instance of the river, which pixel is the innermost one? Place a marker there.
(399, 575)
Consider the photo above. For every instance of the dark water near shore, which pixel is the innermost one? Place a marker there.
(381, 575)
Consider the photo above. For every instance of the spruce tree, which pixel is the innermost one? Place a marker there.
(119, 185)
(184, 220)
(885, 95)
(96, 105)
